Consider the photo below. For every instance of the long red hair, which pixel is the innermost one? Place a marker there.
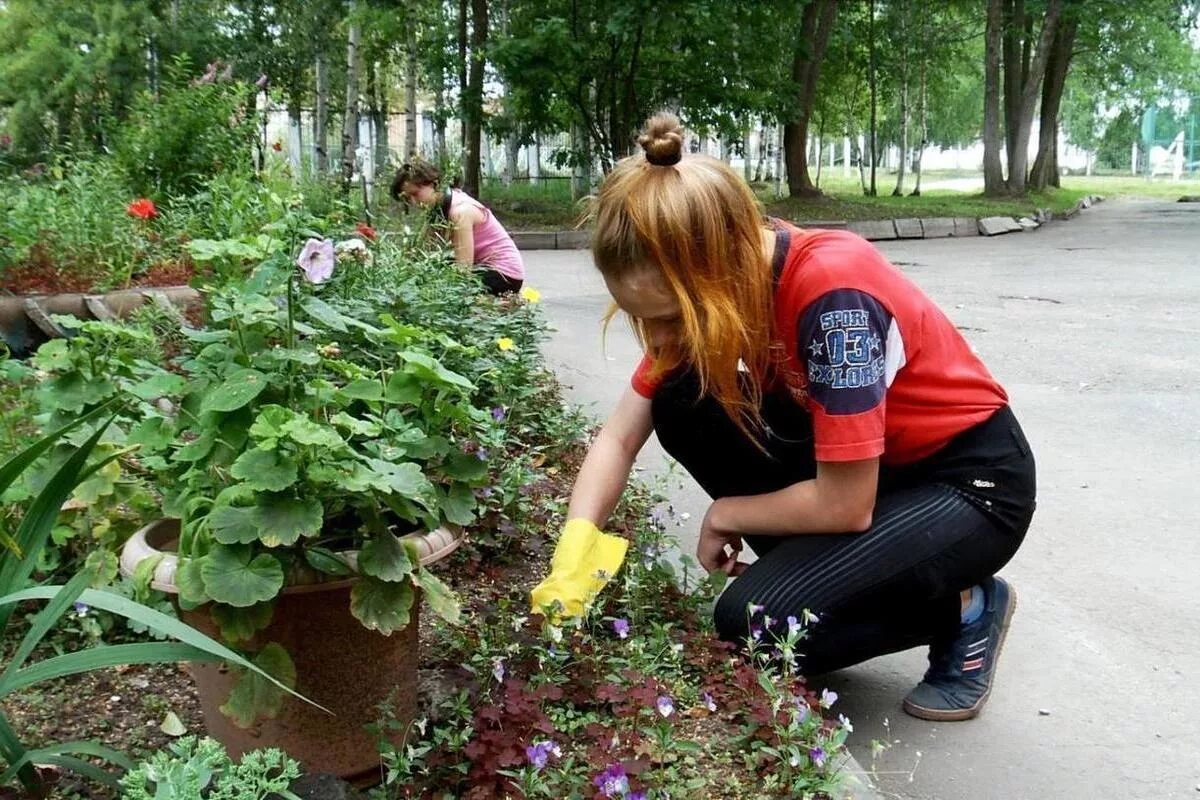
(694, 220)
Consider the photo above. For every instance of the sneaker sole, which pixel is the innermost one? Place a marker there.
(960, 714)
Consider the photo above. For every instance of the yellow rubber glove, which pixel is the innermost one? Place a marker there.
(584, 561)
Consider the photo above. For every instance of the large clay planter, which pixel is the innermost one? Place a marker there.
(339, 664)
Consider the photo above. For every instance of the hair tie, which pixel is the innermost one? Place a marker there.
(666, 161)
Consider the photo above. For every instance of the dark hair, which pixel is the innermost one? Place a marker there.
(417, 171)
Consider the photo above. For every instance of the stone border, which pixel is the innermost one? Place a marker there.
(871, 229)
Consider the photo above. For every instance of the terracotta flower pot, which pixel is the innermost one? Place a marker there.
(339, 664)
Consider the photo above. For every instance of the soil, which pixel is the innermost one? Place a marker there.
(40, 275)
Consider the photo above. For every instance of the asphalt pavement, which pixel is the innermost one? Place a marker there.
(1093, 327)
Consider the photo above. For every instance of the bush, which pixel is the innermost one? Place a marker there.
(174, 143)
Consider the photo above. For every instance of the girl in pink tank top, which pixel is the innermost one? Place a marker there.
(478, 238)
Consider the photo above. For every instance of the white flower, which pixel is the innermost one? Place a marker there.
(353, 249)
(845, 723)
(828, 698)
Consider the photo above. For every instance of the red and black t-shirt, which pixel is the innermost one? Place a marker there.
(879, 366)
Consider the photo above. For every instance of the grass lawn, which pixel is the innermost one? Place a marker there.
(548, 206)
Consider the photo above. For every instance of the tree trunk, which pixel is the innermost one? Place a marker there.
(473, 99)
(993, 174)
(923, 118)
(321, 117)
(1018, 167)
(747, 168)
(874, 86)
(581, 182)
(439, 128)
(462, 67)
(350, 117)
(410, 94)
(512, 147)
(1045, 166)
(899, 190)
(1014, 80)
(815, 26)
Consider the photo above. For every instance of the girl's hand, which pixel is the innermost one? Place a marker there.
(719, 547)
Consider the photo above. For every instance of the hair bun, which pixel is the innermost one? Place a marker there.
(662, 140)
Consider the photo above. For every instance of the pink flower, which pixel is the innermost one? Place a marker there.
(316, 260)
(142, 208)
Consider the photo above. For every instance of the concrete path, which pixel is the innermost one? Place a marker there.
(1093, 325)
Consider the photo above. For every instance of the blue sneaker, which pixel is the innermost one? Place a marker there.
(961, 671)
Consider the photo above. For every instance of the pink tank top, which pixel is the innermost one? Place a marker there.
(494, 248)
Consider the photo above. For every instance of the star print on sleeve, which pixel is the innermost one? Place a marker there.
(843, 337)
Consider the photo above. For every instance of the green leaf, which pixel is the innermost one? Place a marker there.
(329, 316)
(465, 467)
(429, 368)
(381, 605)
(283, 519)
(240, 624)
(53, 356)
(231, 576)
(356, 427)
(441, 598)
(198, 448)
(165, 384)
(406, 479)
(252, 696)
(268, 425)
(459, 505)
(101, 483)
(190, 583)
(265, 470)
(324, 313)
(108, 656)
(304, 431)
(104, 565)
(384, 557)
(154, 434)
(404, 389)
(363, 389)
(239, 388)
(326, 561)
(234, 524)
(172, 725)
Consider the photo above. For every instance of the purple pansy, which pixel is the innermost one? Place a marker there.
(539, 753)
(621, 627)
(612, 782)
(665, 706)
(708, 701)
(498, 669)
(754, 609)
(793, 626)
(316, 260)
(817, 755)
(499, 414)
(828, 698)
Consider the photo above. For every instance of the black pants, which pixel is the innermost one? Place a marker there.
(497, 282)
(940, 526)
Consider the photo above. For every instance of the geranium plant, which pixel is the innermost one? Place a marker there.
(280, 456)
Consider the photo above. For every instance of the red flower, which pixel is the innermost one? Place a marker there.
(277, 145)
(142, 208)
(366, 231)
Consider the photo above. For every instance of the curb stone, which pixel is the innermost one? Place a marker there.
(871, 229)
